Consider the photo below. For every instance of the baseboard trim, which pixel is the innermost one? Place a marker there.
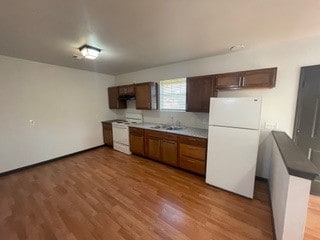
(47, 161)
(261, 179)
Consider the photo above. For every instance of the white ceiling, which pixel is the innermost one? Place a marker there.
(138, 34)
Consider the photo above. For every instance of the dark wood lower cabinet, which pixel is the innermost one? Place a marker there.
(153, 148)
(192, 154)
(107, 134)
(169, 152)
(186, 152)
(162, 147)
(193, 165)
(137, 141)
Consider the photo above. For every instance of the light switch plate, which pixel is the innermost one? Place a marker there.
(271, 126)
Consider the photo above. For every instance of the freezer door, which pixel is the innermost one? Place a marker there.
(232, 158)
(242, 112)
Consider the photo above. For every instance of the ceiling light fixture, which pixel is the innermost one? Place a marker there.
(236, 48)
(89, 52)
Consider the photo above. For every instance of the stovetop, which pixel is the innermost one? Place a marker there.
(131, 118)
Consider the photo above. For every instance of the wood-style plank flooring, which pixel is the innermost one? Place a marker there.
(104, 194)
(312, 231)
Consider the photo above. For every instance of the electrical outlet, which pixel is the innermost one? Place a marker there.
(271, 126)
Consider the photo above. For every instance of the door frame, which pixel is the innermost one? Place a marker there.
(299, 98)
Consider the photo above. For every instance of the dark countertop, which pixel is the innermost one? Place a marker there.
(296, 162)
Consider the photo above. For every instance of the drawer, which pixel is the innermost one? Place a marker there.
(193, 165)
(137, 131)
(162, 135)
(201, 142)
(192, 151)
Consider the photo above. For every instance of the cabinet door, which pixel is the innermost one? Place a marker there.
(153, 147)
(263, 78)
(113, 96)
(137, 144)
(146, 96)
(137, 140)
(199, 91)
(127, 90)
(192, 151)
(169, 150)
(107, 134)
(228, 81)
(192, 154)
(193, 165)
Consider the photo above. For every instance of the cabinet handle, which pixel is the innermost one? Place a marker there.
(243, 81)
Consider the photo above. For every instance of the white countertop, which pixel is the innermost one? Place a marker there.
(188, 131)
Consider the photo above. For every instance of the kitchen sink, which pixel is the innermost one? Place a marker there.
(173, 128)
(158, 127)
(166, 127)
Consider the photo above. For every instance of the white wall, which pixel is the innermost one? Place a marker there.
(66, 104)
(289, 199)
(278, 103)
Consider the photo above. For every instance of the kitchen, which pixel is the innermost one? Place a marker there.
(53, 101)
(196, 93)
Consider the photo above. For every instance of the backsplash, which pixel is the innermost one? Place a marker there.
(188, 119)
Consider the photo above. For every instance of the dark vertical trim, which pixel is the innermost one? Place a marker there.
(298, 104)
(261, 179)
(302, 83)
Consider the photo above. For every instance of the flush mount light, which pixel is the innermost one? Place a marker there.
(236, 48)
(89, 52)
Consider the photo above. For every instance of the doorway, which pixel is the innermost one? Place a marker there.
(307, 121)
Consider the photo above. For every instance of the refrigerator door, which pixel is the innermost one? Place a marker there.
(235, 112)
(232, 158)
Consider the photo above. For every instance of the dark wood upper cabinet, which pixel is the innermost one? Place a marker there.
(146, 95)
(127, 90)
(113, 96)
(261, 78)
(199, 91)
(228, 81)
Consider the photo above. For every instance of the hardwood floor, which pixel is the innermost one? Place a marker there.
(312, 231)
(104, 194)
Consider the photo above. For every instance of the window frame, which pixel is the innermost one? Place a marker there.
(184, 79)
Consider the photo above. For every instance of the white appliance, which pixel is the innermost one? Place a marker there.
(233, 144)
(120, 132)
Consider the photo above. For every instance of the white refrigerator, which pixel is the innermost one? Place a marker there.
(233, 143)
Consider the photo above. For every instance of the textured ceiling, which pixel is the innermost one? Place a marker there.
(138, 34)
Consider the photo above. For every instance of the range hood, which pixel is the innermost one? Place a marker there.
(127, 97)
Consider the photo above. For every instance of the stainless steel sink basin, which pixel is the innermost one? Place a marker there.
(173, 128)
(166, 127)
(157, 127)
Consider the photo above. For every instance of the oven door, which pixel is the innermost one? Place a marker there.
(120, 134)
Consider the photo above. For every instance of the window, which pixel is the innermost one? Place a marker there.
(173, 94)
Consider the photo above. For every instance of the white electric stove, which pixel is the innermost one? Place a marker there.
(120, 131)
